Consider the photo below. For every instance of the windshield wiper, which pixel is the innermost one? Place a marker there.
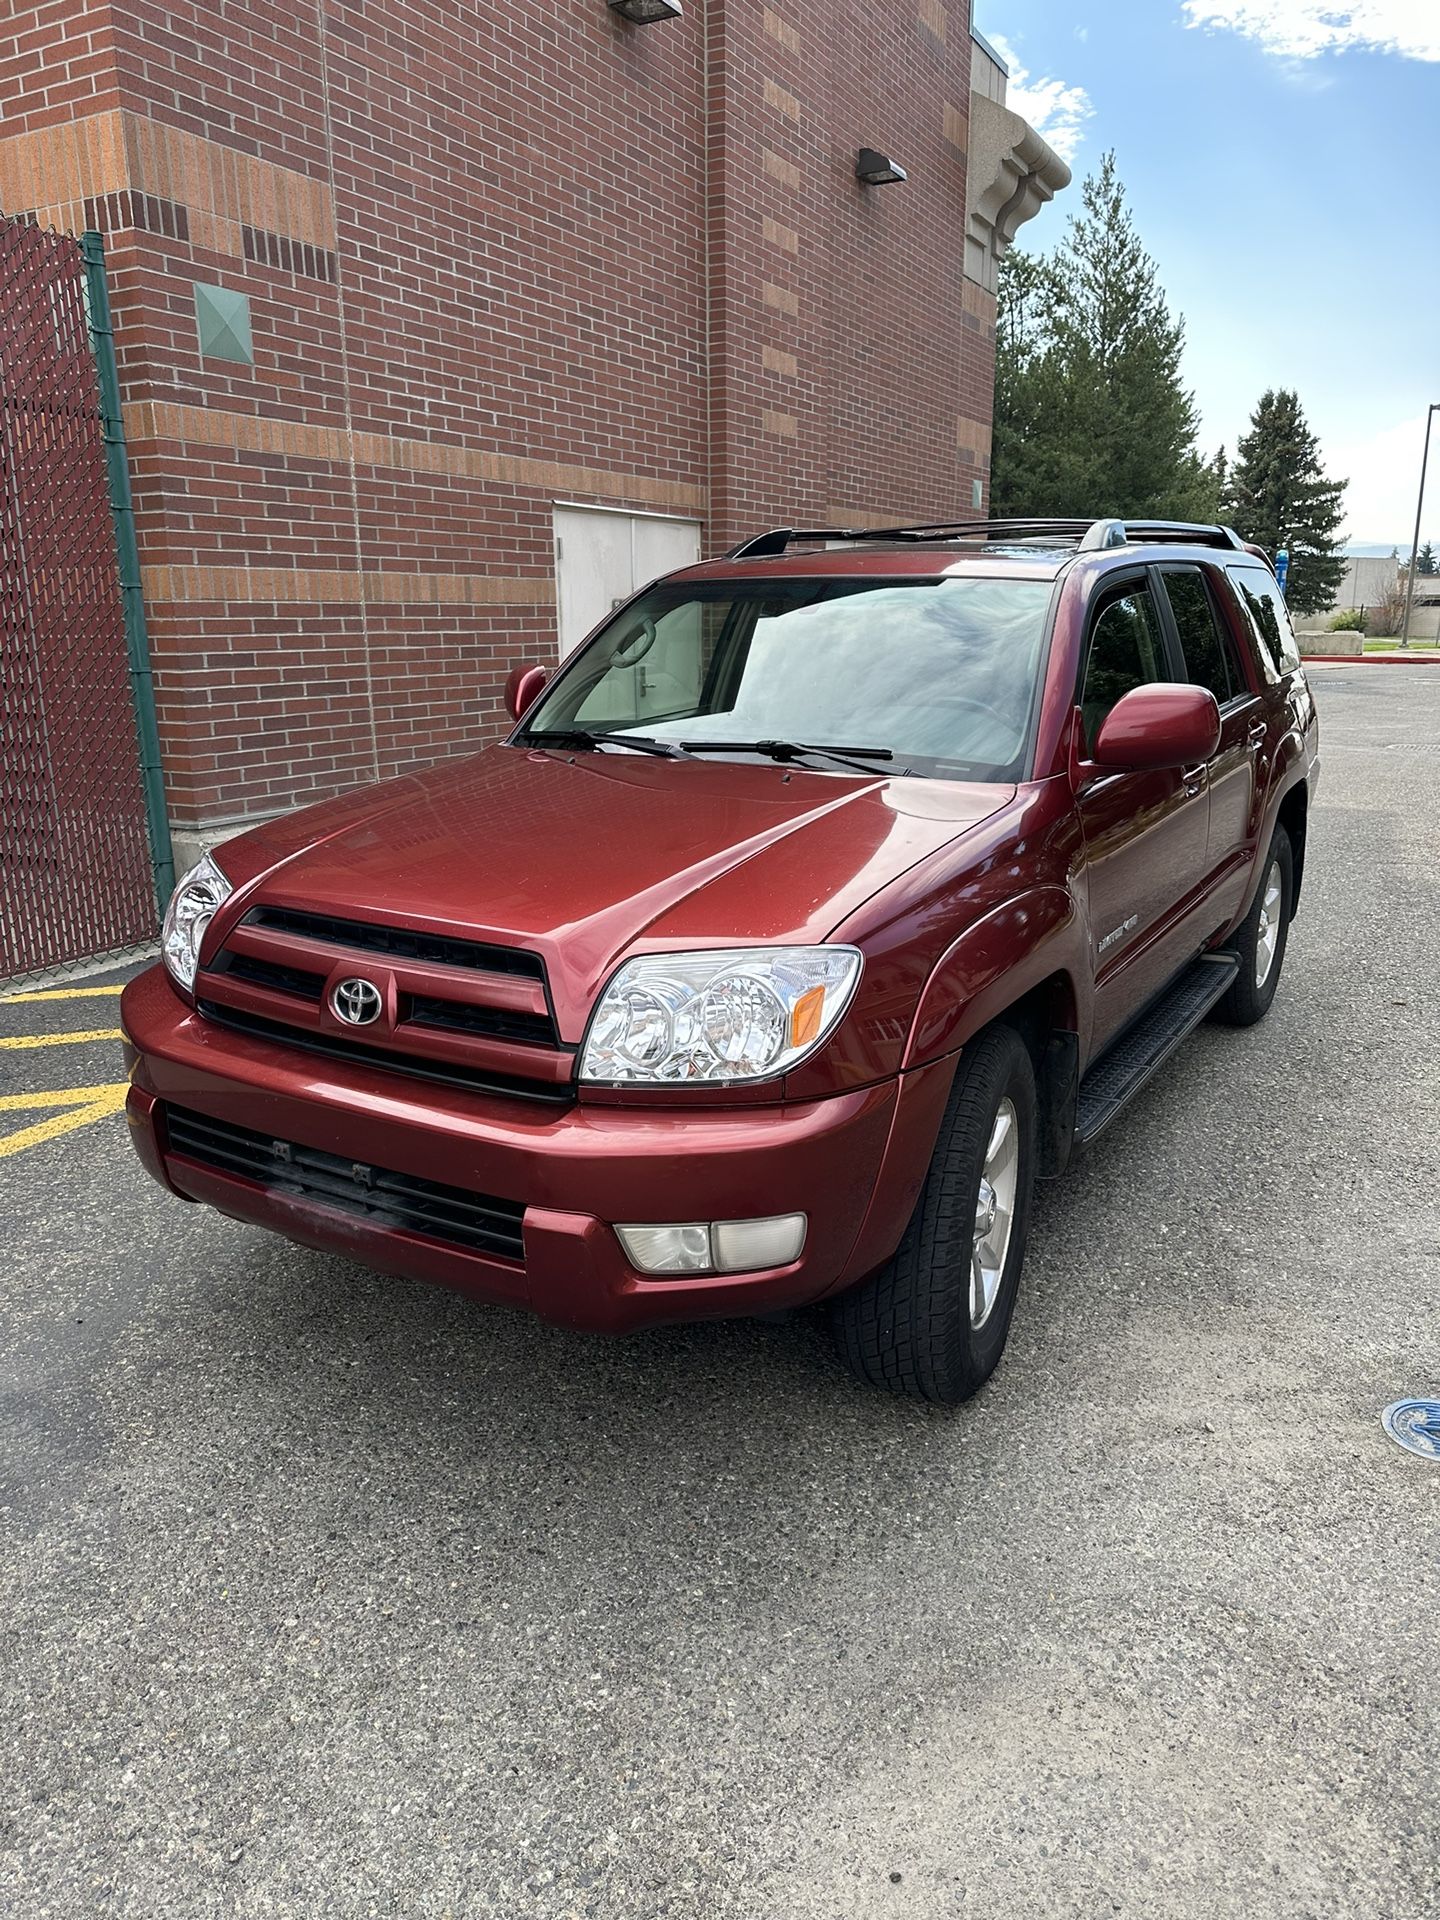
(582, 737)
(791, 750)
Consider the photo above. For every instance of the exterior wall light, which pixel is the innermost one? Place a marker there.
(874, 169)
(642, 13)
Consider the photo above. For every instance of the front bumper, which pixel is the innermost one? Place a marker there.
(853, 1163)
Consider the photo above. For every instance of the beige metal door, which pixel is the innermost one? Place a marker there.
(602, 557)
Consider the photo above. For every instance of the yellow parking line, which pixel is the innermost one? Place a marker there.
(59, 993)
(84, 1103)
(59, 1039)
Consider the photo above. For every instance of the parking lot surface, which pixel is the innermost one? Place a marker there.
(328, 1594)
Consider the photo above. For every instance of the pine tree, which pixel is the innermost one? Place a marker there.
(1280, 496)
(1425, 561)
(1028, 390)
(1090, 414)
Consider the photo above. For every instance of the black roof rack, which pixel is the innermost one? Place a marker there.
(1086, 536)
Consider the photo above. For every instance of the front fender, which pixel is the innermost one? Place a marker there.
(995, 962)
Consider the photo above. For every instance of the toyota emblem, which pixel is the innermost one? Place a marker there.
(356, 1002)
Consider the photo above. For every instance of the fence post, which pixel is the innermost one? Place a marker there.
(142, 687)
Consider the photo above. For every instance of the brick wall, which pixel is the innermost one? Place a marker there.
(495, 257)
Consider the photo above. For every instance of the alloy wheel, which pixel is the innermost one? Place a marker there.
(994, 1213)
(1267, 931)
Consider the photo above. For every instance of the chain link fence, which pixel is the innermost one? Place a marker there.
(78, 874)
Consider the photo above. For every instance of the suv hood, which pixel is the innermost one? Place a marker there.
(582, 858)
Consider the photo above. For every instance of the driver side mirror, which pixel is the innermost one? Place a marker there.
(1165, 724)
(523, 688)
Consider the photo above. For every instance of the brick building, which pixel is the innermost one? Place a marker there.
(405, 291)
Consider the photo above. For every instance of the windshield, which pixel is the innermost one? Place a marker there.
(942, 673)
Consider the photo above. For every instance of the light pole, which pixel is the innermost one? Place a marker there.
(1415, 543)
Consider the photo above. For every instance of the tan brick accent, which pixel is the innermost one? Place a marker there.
(785, 171)
(934, 16)
(973, 436)
(836, 516)
(252, 433)
(165, 586)
(782, 299)
(59, 166)
(210, 234)
(53, 169)
(783, 102)
(782, 424)
(786, 238)
(956, 127)
(777, 361)
(977, 300)
(782, 31)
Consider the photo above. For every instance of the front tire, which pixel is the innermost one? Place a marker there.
(1261, 939)
(932, 1324)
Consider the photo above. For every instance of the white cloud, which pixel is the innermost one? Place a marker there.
(1056, 112)
(1383, 468)
(1301, 29)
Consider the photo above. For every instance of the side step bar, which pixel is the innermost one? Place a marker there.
(1125, 1066)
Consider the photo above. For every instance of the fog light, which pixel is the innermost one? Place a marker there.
(722, 1246)
(667, 1249)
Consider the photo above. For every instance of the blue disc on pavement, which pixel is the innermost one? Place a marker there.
(1415, 1425)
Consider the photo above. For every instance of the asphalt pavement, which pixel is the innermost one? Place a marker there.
(326, 1594)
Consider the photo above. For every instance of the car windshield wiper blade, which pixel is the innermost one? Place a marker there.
(582, 737)
(791, 750)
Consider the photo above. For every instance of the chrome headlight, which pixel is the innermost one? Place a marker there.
(743, 1013)
(191, 909)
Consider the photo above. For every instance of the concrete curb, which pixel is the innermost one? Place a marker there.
(1371, 659)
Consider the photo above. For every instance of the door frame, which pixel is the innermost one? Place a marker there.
(1169, 928)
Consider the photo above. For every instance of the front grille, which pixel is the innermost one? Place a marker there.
(399, 943)
(497, 1023)
(413, 1066)
(270, 973)
(474, 1221)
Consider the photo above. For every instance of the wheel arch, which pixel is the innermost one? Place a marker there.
(1293, 814)
(1020, 967)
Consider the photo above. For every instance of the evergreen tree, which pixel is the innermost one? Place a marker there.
(1425, 561)
(1280, 496)
(1090, 414)
(1028, 388)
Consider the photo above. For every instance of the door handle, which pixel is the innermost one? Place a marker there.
(1256, 735)
(1194, 780)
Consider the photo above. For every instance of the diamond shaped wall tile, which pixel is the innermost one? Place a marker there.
(222, 317)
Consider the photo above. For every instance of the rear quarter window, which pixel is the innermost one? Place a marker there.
(1268, 620)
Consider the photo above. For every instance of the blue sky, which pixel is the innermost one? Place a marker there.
(1282, 159)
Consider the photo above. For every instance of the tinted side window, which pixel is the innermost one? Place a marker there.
(1260, 597)
(1203, 644)
(1125, 652)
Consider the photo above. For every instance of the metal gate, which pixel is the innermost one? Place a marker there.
(76, 876)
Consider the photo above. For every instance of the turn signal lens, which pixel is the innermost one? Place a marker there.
(744, 1245)
(805, 1017)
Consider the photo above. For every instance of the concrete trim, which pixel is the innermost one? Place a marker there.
(1013, 173)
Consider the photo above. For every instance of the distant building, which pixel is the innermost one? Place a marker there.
(1364, 584)
(1366, 581)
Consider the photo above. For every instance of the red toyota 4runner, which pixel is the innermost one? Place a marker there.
(826, 896)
